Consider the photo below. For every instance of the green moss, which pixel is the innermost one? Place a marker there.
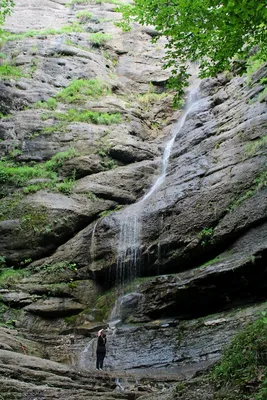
(108, 212)
(50, 130)
(18, 175)
(151, 97)
(34, 219)
(35, 187)
(263, 96)
(104, 305)
(70, 320)
(210, 262)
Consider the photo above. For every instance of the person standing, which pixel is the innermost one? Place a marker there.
(101, 349)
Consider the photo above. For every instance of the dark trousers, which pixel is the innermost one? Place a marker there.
(99, 359)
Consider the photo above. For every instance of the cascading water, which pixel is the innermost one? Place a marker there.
(129, 254)
(87, 354)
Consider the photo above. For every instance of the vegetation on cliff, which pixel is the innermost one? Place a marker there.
(215, 33)
(5, 9)
(242, 372)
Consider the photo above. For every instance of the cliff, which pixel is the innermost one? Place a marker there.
(93, 210)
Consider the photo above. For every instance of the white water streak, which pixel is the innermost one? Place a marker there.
(129, 244)
(87, 354)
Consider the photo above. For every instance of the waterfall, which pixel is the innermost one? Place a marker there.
(129, 253)
(129, 243)
(87, 354)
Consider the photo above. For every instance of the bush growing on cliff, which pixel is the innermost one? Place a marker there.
(243, 367)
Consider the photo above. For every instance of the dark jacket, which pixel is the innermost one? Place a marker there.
(101, 344)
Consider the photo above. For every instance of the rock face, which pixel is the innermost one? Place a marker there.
(89, 200)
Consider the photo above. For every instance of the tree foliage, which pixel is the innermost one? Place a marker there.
(211, 32)
(5, 9)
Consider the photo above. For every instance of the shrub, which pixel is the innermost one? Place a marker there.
(205, 236)
(243, 366)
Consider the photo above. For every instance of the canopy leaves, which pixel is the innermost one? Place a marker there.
(211, 32)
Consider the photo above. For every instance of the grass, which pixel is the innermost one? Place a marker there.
(8, 71)
(11, 276)
(263, 95)
(253, 64)
(258, 183)
(66, 186)
(148, 98)
(98, 38)
(74, 27)
(243, 367)
(255, 145)
(57, 267)
(98, 118)
(49, 130)
(18, 175)
(81, 89)
(108, 212)
(50, 104)
(84, 16)
(93, 2)
(58, 160)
